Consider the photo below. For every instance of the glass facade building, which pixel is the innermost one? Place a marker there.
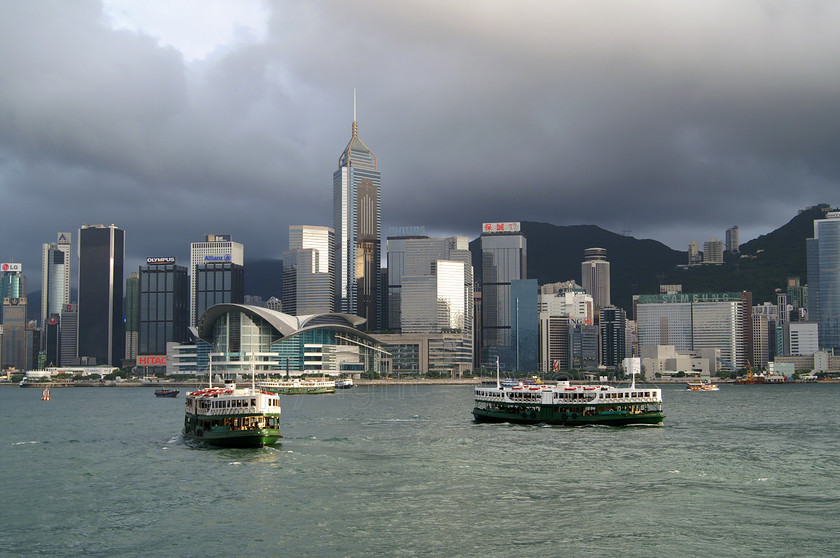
(823, 253)
(216, 248)
(613, 326)
(218, 283)
(309, 271)
(55, 276)
(524, 325)
(163, 308)
(503, 259)
(595, 276)
(357, 217)
(101, 254)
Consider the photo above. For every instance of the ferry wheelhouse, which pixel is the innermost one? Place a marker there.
(570, 405)
(232, 417)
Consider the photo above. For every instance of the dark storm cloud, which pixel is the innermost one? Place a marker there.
(673, 120)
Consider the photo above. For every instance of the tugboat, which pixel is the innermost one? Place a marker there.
(569, 405)
(702, 385)
(167, 392)
(232, 417)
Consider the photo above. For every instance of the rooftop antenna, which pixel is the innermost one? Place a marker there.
(354, 104)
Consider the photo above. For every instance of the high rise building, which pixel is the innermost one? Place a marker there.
(694, 256)
(216, 248)
(101, 253)
(13, 318)
(55, 276)
(132, 315)
(713, 251)
(69, 335)
(309, 271)
(503, 259)
(163, 305)
(357, 215)
(823, 251)
(732, 243)
(692, 322)
(595, 275)
(613, 324)
(524, 325)
(12, 282)
(217, 283)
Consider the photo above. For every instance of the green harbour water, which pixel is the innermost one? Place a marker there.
(404, 471)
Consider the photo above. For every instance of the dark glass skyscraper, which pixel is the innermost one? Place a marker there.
(218, 282)
(164, 305)
(824, 279)
(101, 254)
(358, 223)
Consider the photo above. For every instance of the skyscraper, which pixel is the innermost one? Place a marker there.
(163, 305)
(216, 248)
(13, 316)
(824, 279)
(595, 276)
(503, 259)
(357, 216)
(309, 271)
(613, 323)
(732, 242)
(132, 315)
(101, 253)
(55, 276)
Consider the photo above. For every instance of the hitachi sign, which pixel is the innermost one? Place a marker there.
(151, 360)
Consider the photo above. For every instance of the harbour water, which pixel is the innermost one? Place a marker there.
(404, 471)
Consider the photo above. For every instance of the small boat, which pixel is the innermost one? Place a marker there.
(45, 395)
(344, 383)
(565, 404)
(167, 392)
(702, 385)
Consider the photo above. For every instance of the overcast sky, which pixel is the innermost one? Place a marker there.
(672, 120)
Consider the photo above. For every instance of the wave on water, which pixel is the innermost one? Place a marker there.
(24, 443)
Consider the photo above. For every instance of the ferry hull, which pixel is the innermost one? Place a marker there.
(236, 439)
(566, 418)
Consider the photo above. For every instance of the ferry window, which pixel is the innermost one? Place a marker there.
(253, 402)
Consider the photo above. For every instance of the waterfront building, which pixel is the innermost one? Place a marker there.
(524, 325)
(823, 253)
(280, 344)
(595, 275)
(555, 353)
(309, 271)
(69, 335)
(13, 317)
(132, 315)
(357, 215)
(698, 321)
(613, 336)
(215, 248)
(50, 341)
(761, 341)
(583, 345)
(101, 252)
(713, 251)
(164, 307)
(55, 276)
(574, 302)
(503, 259)
(732, 241)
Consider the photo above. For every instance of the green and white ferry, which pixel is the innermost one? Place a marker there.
(569, 405)
(232, 417)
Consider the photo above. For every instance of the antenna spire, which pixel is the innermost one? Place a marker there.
(354, 104)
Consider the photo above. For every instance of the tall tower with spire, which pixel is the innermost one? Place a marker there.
(357, 215)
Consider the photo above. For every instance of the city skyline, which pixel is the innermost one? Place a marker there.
(174, 122)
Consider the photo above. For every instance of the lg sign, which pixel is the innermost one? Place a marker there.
(11, 267)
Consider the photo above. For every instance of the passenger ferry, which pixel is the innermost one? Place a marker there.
(232, 417)
(570, 405)
(297, 386)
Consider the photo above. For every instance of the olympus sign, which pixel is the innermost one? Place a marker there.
(160, 261)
